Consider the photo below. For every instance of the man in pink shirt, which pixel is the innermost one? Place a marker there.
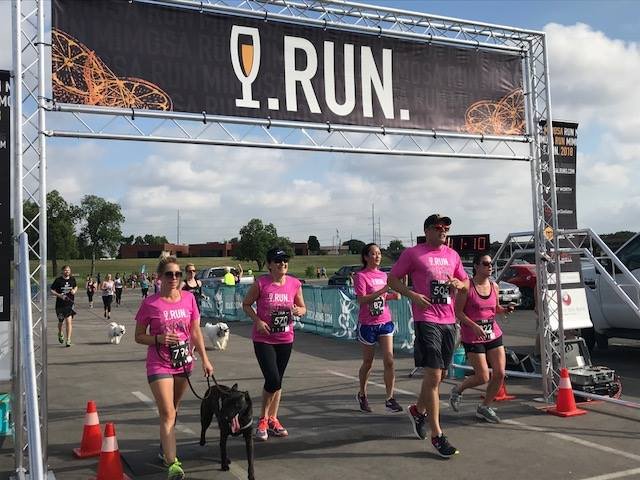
(436, 273)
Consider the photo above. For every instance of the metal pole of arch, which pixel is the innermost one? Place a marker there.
(16, 95)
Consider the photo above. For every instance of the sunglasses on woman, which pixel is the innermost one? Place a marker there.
(486, 263)
(177, 274)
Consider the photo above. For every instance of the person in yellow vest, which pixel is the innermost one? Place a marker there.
(228, 279)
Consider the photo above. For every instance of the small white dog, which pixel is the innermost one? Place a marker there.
(218, 334)
(115, 333)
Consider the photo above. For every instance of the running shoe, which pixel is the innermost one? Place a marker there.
(418, 422)
(443, 447)
(175, 471)
(276, 429)
(487, 413)
(363, 401)
(392, 405)
(60, 338)
(68, 344)
(261, 431)
(455, 399)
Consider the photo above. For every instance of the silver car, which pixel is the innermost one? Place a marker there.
(507, 292)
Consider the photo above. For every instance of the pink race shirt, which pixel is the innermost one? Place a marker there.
(481, 310)
(274, 306)
(429, 268)
(366, 282)
(161, 316)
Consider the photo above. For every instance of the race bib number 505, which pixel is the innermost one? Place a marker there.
(440, 292)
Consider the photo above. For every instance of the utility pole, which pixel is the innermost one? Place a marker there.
(379, 233)
(373, 223)
(178, 228)
(412, 239)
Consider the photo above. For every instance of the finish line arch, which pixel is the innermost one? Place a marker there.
(367, 117)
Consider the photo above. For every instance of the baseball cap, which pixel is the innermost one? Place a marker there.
(277, 254)
(435, 219)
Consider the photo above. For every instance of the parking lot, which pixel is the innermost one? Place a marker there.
(329, 438)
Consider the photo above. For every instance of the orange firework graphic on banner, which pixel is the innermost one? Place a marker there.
(80, 76)
(504, 117)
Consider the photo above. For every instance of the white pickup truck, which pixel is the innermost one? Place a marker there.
(610, 315)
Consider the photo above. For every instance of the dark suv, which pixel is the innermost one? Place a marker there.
(342, 275)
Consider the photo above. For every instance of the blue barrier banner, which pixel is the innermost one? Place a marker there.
(331, 311)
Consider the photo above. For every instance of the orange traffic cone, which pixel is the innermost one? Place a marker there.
(565, 402)
(110, 466)
(502, 394)
(91, 434)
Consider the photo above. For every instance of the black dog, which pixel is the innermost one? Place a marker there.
(234, 412)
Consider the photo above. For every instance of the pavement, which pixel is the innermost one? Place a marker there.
(329, 438)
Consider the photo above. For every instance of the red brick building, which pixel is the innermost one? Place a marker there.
(153, 251)
(212, 249)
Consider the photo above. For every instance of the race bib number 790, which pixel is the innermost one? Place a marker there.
(180, 354)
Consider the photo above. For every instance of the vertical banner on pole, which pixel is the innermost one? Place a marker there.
(5, 198)
(574, 300)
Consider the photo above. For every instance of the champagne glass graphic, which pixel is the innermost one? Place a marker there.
(246, 62)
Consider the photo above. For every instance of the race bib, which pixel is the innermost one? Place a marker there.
(487, 328)
(180, 354)
(440, 292)
(280, 320)
(376, 308)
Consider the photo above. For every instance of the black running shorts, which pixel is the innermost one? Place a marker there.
(64, 312)
(482, 347)
(434, 344)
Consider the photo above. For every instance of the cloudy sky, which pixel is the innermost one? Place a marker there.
(595, 67)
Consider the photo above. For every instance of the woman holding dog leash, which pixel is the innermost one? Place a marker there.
(169, 323)
(278, 298)
(481, 336)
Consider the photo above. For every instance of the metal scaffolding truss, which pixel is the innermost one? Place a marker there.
(33, 105)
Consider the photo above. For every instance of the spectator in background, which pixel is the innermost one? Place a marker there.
(91, 289)
(229, 279)
(144, 285)
(317, 272)
(239, 273)
(156, 283)
(118, 284)
(323, 272)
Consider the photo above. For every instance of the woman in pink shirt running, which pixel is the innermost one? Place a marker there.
(169, 323)
(278, 298)
(374, 324)
(481, 336)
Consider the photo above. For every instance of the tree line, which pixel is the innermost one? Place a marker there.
(93, 229)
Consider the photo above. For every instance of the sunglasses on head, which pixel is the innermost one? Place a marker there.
(486, 263)
(170, 274)
(441, 228)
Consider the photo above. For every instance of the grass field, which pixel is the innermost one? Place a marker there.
(298, 265)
